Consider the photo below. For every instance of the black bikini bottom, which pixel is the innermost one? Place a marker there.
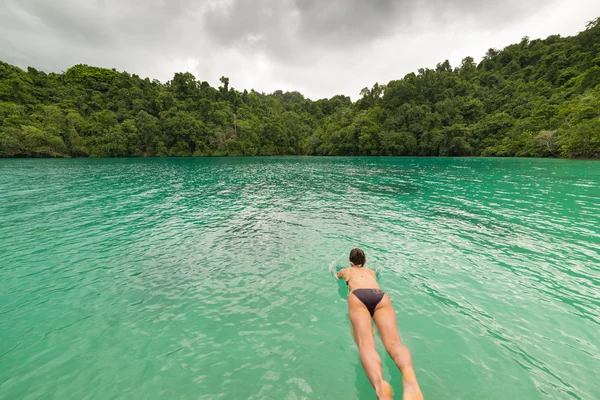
(369, 297)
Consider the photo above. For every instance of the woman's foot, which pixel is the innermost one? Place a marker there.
(384, 392)
(412, 391)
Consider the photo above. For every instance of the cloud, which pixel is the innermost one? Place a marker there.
(319, 48)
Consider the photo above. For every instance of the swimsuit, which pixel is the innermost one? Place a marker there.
(369, 297)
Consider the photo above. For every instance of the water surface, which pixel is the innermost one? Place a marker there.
(210, 278)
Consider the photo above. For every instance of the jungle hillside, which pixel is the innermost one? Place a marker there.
(535, 98)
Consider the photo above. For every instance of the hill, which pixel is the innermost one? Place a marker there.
(536, 98)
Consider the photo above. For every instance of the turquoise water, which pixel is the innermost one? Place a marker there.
(211, 278)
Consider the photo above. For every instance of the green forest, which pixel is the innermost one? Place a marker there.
(536, 98)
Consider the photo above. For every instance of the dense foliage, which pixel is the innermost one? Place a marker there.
(536, 98)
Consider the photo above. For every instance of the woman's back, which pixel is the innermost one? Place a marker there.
(360, 278)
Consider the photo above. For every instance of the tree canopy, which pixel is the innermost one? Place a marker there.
(536, 98)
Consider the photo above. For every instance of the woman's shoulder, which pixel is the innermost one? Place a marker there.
(344, 273)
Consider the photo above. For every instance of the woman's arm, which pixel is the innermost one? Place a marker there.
(341, 274)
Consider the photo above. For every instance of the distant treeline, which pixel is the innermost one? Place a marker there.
(537, 98)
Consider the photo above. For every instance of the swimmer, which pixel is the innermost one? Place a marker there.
(366, 301)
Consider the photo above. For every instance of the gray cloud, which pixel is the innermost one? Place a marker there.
(292, 30)
(320, 48)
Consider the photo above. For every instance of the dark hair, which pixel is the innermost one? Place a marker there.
(357, 256)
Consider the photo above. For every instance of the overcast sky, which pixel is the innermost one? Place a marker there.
(318, 47)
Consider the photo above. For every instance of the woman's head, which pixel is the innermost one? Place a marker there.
(357, 257)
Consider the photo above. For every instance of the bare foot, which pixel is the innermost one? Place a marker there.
(385, 392)
(412, 391)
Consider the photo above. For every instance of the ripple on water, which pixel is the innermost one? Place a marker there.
(211, 278)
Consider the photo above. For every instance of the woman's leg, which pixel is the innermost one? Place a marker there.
(363, 335)
(385, 318)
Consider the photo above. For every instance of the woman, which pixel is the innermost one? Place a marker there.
(366, 300)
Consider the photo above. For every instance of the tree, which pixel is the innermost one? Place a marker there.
(147, 130)
(372, 96)
(535, 98)
(398, 144)
(582, 140)
(225, 82)
(546, 141)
